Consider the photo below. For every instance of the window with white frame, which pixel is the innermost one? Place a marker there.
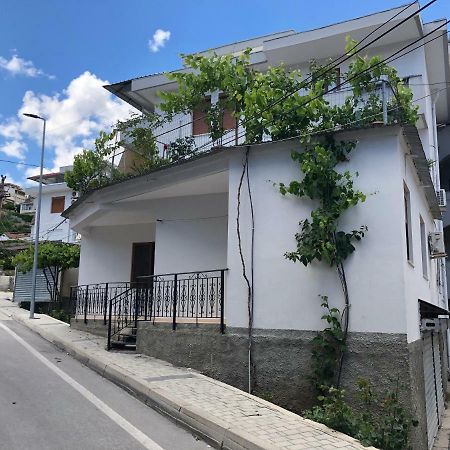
(408, 227)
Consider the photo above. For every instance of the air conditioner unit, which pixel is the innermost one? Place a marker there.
(436, 244)
(442, 198)
(429, 324)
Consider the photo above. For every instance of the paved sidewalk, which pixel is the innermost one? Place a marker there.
(229, 417)
(442, 441)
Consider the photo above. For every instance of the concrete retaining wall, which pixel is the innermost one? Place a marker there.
(282, 362)
(93, 326)
(6, 283)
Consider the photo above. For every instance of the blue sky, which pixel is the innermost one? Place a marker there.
(56, 54)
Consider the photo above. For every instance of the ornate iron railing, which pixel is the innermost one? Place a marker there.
(192, 295)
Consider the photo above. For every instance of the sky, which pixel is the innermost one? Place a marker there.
(55, 56)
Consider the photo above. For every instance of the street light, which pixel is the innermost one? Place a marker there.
(37, 219)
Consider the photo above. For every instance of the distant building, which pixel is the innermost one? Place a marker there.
(15, 194)
(56, 197)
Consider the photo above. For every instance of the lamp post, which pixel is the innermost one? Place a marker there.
(37, 219)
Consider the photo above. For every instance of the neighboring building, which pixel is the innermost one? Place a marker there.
(177, 226)
(56, 197)
(15, 194)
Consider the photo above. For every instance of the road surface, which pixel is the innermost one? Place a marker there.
(50, 401)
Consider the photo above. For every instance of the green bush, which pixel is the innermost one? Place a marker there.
(383, 422)
(60, 314)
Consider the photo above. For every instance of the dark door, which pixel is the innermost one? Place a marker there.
(143, 260)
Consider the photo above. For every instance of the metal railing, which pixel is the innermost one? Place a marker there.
(191, 295)
(373, 105)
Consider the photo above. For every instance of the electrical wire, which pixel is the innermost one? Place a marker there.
(18, 163)
(389, 59)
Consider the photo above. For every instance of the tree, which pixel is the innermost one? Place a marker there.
(93, 168)
(53, 258)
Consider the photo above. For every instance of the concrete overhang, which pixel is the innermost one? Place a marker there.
(208, 174)
(329, 41)
(205, 174)
(47, 189)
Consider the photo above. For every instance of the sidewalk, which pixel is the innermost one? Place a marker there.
(229, 417)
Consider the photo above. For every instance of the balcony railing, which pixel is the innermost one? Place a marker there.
(188, 295)
(371, 107)
(27, 208)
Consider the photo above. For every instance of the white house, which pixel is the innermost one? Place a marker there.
(56, 197)
(177, 228)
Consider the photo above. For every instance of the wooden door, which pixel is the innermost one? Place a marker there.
(143, 260)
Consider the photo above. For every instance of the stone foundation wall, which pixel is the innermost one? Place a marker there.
(282, 360)
(93, 326)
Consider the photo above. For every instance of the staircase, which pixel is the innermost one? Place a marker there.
(125, 339)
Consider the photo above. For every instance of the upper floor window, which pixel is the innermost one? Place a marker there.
(199, 119)
(57, 204)
(424, 248)
(408, 228)
(200, 122)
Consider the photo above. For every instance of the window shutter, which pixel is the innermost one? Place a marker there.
(57, 204)
(200, 124)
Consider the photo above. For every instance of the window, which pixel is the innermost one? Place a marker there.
(57, 205)
(408, 230)
(424, 245)
(199, 122)
(228, 121)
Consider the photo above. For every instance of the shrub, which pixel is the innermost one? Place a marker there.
(383, 422)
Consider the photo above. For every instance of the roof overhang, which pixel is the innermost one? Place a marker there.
(430, 311)
(285, 47)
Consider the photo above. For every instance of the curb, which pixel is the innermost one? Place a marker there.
(215, 431)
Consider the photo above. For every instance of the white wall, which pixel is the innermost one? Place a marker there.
(431, 289)
(106, 252)
(50, 220)
(286, 293)
(190, 234)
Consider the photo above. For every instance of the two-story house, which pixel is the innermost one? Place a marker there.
(56, 197)
(164, 252)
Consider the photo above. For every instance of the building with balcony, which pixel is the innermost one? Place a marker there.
(163, 254)
(15, 194)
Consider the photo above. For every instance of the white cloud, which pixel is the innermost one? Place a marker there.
(20, 66)
(160, 37)
(15, 149)
(74, 118)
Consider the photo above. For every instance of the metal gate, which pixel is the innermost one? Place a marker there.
(434, 393)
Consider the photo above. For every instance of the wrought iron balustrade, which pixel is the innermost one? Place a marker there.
(188, 295)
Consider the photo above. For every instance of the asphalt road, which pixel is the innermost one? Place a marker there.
(50, 401)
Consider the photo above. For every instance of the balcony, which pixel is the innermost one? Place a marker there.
(27, 208)
(179, 131)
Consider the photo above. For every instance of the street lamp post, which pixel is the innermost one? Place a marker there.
(37, 219)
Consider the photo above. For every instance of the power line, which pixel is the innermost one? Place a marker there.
(327, 69)
(389, 59)
(18, 163)
(333, 63)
